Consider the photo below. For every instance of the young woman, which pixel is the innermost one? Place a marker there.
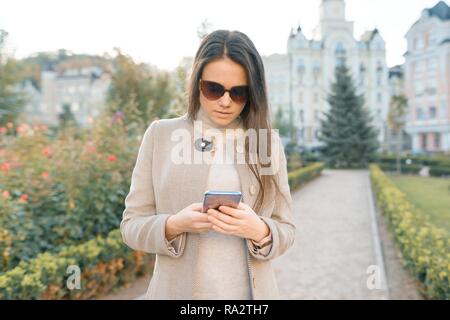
(223, 253)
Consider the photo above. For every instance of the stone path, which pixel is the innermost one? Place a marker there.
(340, 236)
(341, 242)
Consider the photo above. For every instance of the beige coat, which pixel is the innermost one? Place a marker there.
(160, 188)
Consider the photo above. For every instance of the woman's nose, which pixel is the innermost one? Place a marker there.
(225, 100)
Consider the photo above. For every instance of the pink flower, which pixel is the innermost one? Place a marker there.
(6, 167)
(91, 149)
(3, 130)
(112, 158)
(23, 198)
(46, 151)
(6, 194)
(45, 175)
(23, 128)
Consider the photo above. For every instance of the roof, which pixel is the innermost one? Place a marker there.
(369, 35)
(440, 10)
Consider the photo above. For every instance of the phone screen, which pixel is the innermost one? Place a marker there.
(215, 199)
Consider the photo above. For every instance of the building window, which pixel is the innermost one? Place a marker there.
(432, 64)
(379, 73)
(316, 71)
(340, 54)
(302, 115)
(444, 109)
(418, 43)
(423, 137)
(420, 66)
(425, 39)
(431, 87)
(316, 134)
(316, 115)
(316, 97)
(432, 112)
(300, 70)
(379, 97)
(433, 39)
(418, 87)
(362, 73)
(300, 97)
(437, 140)
(420, 114)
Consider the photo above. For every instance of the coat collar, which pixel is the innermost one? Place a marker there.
(195, 176)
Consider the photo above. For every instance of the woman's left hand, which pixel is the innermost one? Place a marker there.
(241, 221)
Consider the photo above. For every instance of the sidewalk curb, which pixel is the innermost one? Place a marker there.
(376, 240)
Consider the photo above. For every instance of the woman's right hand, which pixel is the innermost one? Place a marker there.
(190, 219)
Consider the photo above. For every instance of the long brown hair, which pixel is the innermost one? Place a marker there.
(239, 48)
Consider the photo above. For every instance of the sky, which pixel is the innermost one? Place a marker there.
(163, 32)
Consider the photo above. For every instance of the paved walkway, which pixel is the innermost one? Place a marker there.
(338, 240)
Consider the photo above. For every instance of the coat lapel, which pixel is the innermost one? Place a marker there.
(195, 177)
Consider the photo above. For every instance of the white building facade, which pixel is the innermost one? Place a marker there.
(83, 90)
(300, 80)
(427, 80)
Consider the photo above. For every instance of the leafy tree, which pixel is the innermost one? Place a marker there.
(397, 121)
(66, 117)
(12, 101)
(140, 88)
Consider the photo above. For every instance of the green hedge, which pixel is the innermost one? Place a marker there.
(301, 176)
(439, 171)
(439, 165)
(411, 168)
(105, 263)
(425, 247)
(423, 160)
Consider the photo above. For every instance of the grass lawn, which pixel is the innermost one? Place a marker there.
(430, 194)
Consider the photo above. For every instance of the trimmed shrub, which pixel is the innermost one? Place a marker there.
(438, 171)
(301, 176)
(424, 246)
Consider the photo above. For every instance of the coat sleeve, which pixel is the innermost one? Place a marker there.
(141, 227)
(281, 223)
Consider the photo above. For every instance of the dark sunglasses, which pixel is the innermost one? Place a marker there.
(214, 91)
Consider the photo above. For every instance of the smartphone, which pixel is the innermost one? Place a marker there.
(214, 199)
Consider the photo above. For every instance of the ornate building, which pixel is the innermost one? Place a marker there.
(427, 80)
(299, 80)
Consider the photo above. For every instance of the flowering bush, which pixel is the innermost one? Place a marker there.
(63, 190)
(424, 246)
(105, 263)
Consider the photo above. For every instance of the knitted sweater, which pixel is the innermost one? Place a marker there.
(225, 273)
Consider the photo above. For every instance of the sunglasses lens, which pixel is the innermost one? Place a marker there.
(212, 90)
(239, 94)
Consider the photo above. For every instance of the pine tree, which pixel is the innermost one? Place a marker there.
(350, 140)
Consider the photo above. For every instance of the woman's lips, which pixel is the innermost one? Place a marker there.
(222, 114)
